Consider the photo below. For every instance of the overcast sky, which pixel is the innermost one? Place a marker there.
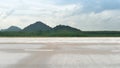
(82, 14)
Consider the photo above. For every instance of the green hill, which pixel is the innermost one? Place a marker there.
(12, 29)
(40, 29)
(65, 28)
(36, 27)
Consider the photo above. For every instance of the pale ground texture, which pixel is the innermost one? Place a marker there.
(59, 52)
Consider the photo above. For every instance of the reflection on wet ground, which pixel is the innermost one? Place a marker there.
(59, 55)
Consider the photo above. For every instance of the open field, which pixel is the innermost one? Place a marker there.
(60, 52)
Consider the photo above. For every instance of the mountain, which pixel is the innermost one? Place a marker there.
(38, 26)
(12, 29)
(64, 31)
(65, 28)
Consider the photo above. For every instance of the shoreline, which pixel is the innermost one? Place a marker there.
(38, 40)
(65, 37)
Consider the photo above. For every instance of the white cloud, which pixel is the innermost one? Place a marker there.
(106, 20)
(50, 14)
(25, 12)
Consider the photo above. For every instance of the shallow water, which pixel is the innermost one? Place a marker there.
(20, 46)
(7, 59)
(84, 61)
(63, 56)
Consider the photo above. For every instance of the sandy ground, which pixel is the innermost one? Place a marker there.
(61, 54)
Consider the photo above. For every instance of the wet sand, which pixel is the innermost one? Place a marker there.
(62, 54)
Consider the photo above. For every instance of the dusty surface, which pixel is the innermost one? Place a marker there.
(60, 54)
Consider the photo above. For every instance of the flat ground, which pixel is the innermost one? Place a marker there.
(59, 52)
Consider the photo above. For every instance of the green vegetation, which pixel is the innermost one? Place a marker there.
(61, 34)
(36, 27)
(40, 29)
(12, 28)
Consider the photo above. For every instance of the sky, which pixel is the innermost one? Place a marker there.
(87, 15)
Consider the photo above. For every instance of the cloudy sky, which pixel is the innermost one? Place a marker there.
(82, 14)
